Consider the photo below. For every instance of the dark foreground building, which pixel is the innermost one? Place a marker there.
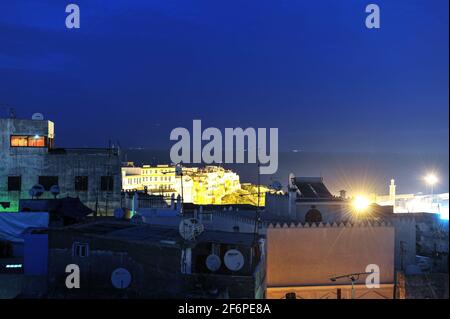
(29, 157)
(119, 259)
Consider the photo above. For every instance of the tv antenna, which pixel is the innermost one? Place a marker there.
(352, 277)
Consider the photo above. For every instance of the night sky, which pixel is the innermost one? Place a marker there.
(137, 69)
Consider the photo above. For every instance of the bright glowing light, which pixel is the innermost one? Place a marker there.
(361, 203)
(431, 179)
(36, 137)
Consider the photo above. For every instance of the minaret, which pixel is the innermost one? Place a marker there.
(392, 193)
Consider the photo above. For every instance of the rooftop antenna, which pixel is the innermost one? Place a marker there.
(352, 277)
(257, 204)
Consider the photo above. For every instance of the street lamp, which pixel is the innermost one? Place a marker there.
(431, 179)
(360, 203)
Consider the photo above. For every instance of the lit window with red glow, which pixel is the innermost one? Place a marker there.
(28, 141)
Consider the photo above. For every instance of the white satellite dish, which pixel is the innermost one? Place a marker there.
(276, 185)
(37, 117)
(190, 228)
(55, 190)
(36, 191)
(121, 278)
(213, 262)
(119, 213)
(234, 260)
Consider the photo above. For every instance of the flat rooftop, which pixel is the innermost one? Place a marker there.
(124, 230)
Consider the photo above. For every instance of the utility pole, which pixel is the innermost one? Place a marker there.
(257, 204)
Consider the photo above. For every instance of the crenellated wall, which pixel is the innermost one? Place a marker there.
(303, 257)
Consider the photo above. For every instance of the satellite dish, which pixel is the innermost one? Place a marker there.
(36, 191)
(190, 228)
(37, 117)
(55, 190)
(213, 262)
(276, 185)
(119, 213)
(234, 260)
(121, 278)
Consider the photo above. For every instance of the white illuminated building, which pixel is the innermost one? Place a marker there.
(200, 185)
(415, 203)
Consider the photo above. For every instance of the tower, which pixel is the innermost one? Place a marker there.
(392, 188)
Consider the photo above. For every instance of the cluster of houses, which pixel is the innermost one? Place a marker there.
(63, 217)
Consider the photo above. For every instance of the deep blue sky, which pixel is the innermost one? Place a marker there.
(137, 69)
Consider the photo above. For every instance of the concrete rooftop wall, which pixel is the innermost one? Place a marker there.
(305, 256)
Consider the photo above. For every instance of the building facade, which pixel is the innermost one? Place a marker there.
(29, 157)
(309, 201)
(203, 186)
(157, 261)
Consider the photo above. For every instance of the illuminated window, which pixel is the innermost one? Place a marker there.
(36, 141)
(28, 141)
(19, 141)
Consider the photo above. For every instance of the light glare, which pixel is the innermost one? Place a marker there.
(431, 179)
(361, 203)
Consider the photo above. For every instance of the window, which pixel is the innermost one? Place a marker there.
(48, 181)
(81, 183)
(80, 249)
(28, 141)
(313, 216)
(14, 183)
(107, 183)
(19, 141)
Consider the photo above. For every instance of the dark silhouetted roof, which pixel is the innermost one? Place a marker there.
(312, 187)
(66, 207)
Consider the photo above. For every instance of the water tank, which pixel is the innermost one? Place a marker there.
(37, 117)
